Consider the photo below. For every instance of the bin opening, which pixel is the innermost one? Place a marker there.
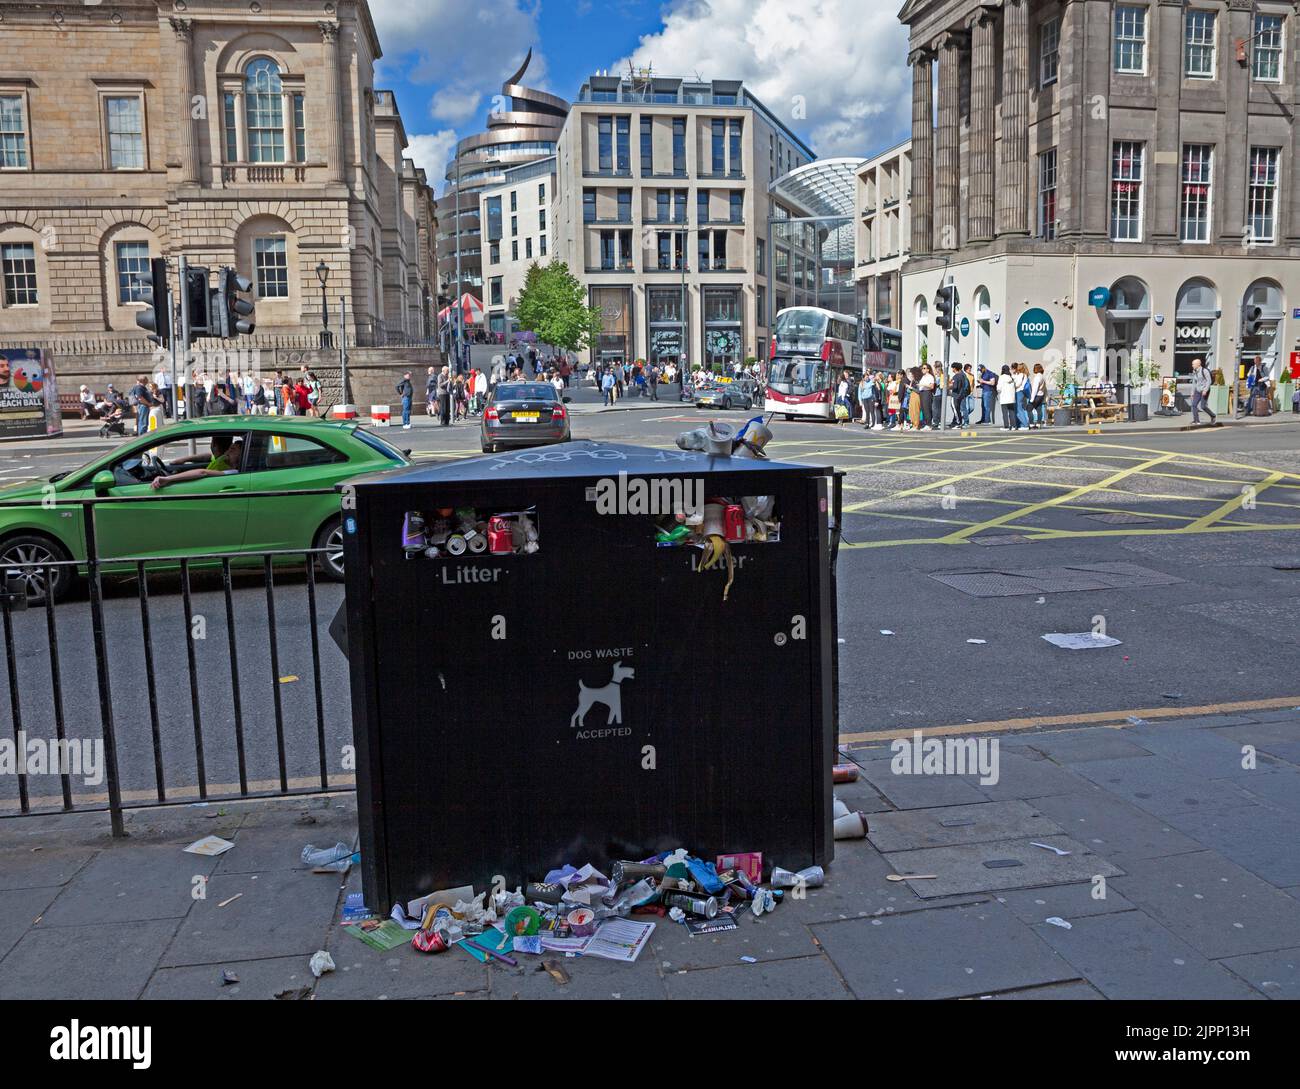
(741, 519)
(447, 532)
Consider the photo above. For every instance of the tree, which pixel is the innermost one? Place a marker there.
(553, 304)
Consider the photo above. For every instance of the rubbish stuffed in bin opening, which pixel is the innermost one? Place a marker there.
(721, 523)
(446, 532)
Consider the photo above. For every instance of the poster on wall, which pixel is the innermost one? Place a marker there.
(29, 396)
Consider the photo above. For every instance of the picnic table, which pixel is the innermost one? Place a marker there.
(1095, 406)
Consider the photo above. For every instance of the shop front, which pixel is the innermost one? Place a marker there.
(666, 330)
(615, 340)
(1128, 333)
(724, 313)
(1266, 305)
(1196, 335)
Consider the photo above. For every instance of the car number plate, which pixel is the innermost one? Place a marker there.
(527, 417)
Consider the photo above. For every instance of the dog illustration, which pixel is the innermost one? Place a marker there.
(607, 694)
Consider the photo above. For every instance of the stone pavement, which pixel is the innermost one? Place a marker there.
(1198, 857)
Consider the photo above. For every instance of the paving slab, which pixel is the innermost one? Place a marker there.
(131, 882)
(19, 910)
(962, 869)
(1280, 788)
(1261, 839)
(1214, 905)
(24, 868)
(1161, 786)
(1068, 902)
(799, 978)
(1069, 992)
(98, 961)
(1077, 746)
(777, 936)
(1207, 754)
(280, 913)
(1114, 828)
(363, 972)
(947, 826)
(258, 980)
(590, 979)
(983, 948)
(1129, 955)
(279, 846)
(1027, 776)
(920, 791)
(1275, 974)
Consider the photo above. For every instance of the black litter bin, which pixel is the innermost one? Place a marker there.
(539, 677)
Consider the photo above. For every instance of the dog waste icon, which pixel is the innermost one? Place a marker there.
(609, 694)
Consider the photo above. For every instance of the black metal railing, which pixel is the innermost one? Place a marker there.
(166, 739)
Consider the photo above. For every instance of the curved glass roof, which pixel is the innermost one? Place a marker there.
(823, 187)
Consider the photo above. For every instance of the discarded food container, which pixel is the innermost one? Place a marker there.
(526, 747)
(851, 826)
(844, 773)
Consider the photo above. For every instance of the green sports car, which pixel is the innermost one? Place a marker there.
(229, 459)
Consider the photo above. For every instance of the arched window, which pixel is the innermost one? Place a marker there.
(922, 329)
(983, 326)
(1266, 341)
(264, 111)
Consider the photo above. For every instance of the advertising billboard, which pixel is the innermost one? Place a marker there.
(29, 395)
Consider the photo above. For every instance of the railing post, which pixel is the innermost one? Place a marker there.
(101, 671)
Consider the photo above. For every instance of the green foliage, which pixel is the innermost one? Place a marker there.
(553, 304)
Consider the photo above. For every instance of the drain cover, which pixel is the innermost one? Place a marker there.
(1117, 518)
(1052, 580)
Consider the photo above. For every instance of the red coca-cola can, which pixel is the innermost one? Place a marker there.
(733, 523)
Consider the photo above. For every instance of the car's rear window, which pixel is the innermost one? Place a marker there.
(376, 443)
(525, 391)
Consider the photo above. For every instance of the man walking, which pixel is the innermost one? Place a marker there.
(607, 386)
(407, 393)
(1201, 392)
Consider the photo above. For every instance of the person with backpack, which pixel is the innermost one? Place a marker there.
(1038, 398)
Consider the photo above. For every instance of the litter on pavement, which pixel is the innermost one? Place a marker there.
(209, 846)
(1081, 640)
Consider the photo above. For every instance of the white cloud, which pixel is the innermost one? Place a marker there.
(454, 105)
(842, 63)
(432, 151)
(455, 44)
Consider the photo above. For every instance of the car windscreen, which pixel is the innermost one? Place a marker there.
(525, 391)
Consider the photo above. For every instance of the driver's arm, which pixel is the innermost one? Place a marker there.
(160, 482)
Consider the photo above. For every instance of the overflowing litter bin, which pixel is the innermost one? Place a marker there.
(588, 651)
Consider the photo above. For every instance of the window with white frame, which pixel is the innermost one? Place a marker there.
(124, 125)
(1194, 201)
(299, 130)
(13, 133)
(1130, 39)
(132, 264)
(1049, 52)
(1047, 195)
(230, 126)
(1262, 197)
(1266, 56)
(1199, 44)
(18, 268)
(264, 111)
(271, 267)
(1126, 191)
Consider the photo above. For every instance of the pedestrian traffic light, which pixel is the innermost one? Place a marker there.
(945, 307)
(196, 296)
(232, 316)
(156, 315)
(1250, 318)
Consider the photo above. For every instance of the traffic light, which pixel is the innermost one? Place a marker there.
(231, 315)
(1250, 318)
(156, 316)
(865, 333)
(945, 307)
(196, 295)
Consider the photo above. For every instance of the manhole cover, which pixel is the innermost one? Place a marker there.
(1053, 580)
(1001, 539)
(1118, 519)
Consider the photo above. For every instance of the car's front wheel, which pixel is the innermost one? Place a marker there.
(26, 554)
(330, 539)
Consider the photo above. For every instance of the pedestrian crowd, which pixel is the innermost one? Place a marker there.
(913, 399)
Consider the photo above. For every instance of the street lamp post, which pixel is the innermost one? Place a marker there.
(323, 275)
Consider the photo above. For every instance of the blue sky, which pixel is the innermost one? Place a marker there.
(834, 70)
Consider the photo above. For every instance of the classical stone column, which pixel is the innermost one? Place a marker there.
(947, 144)
(922, 64)
(333, 108)
(983, 89)
(189, 142)
(1013, 164)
